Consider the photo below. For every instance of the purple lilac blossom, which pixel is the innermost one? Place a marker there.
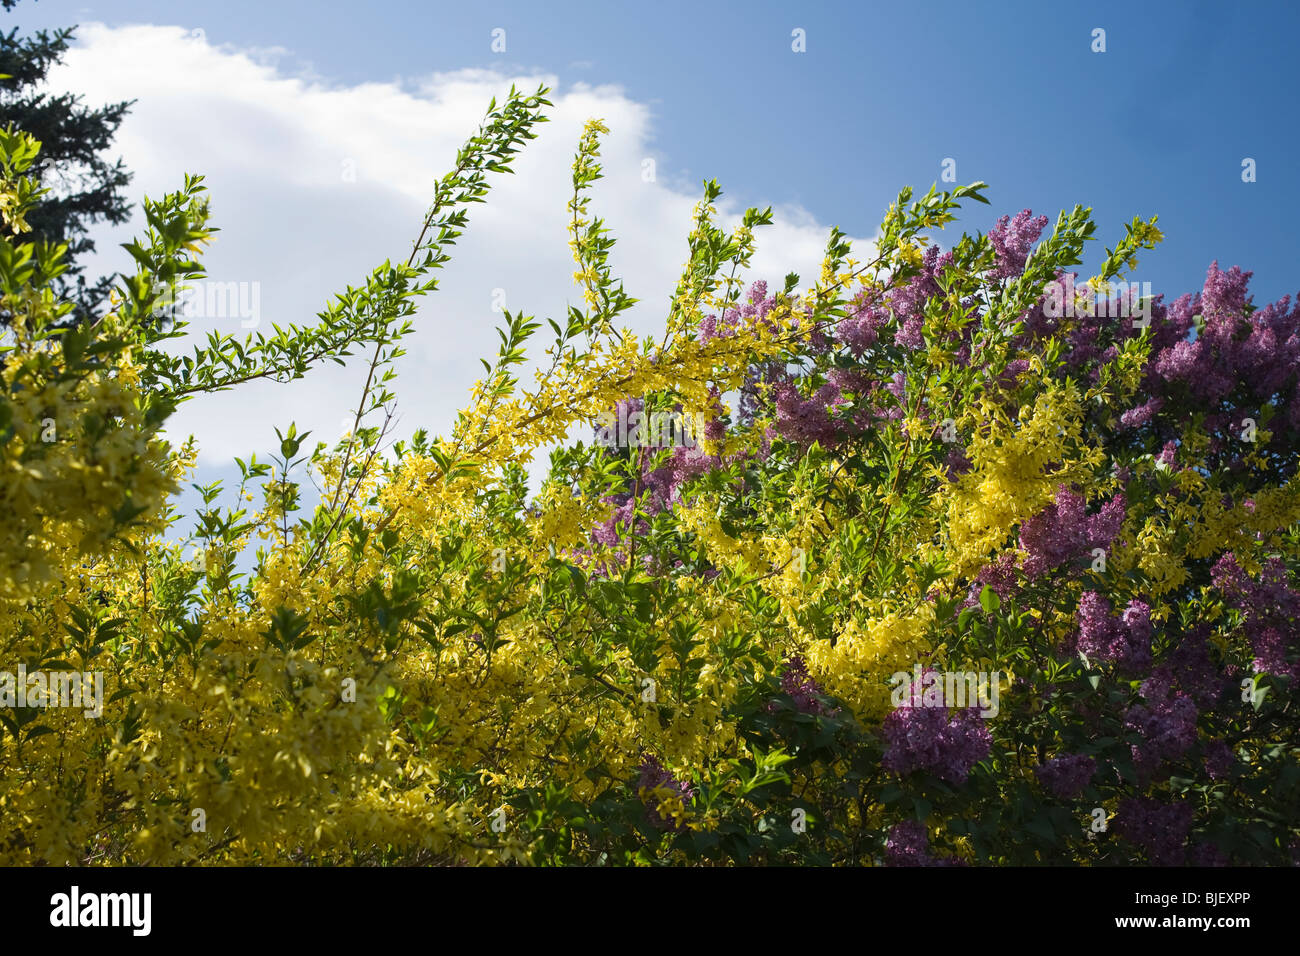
(805, 421)
(1066, 776)
(1012, 239)
(1063, 532)
(1189, 667)
(944, 742)
(1167, 727)
(1219, 760)
(653, 776)
(1125, 642)
(908, 845)
(799, 685)
(1270, 607)
(1001, 576)
(1159, 828)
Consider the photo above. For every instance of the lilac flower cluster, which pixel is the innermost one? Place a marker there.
(1238, 360)
(1219, 760)
(799, 419)
(1010, 376)
(1065, 777)
(805, 421)
(799, 685)
(840, 409)
(956, 463)
(1060, 533)
(1064, 532)
(1085, 340)
(1138, 416)
(1159, 828)
(1167, 727)
(655, 488)
(1003, 576)
(908, 302)
(908, 844)
(1216, 360)
(1271, 609)
(860, 331)
(1012, 238)
(755, 309)
(1124, 641)
(1210, 367)
(654, 777)
(868, 316)
(817, 417)
(1189, 667)
(934, 739)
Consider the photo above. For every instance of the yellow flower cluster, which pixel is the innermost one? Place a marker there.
(1016, 468)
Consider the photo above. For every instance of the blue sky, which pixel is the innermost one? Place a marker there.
(1158, 124)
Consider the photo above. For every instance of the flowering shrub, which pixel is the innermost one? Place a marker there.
(668, 654)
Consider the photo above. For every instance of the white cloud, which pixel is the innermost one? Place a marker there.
(273, 147)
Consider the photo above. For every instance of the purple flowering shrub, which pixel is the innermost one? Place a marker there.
(1141, 610)
(1155, 715)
